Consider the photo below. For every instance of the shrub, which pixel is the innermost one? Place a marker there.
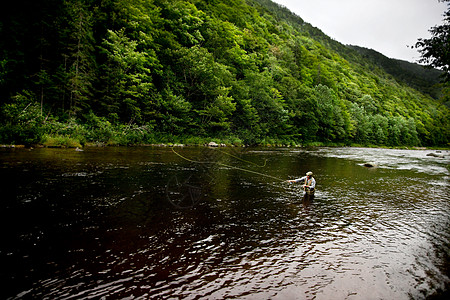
(60, 141)
(21, 120)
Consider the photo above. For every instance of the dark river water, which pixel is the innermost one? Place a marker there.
(200, 223)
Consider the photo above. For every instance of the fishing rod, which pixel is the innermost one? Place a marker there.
(227, 166)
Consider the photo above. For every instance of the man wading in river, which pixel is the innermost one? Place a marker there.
(309, 183)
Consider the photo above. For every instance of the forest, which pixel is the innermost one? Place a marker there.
(242, 72)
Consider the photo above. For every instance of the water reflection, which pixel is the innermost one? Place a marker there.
(144, 223)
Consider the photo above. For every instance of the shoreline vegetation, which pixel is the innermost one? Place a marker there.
(62, 142)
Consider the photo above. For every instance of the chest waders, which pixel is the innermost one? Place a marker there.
(308, 182)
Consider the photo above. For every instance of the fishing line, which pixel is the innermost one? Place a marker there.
(247, 161)
(228, 166)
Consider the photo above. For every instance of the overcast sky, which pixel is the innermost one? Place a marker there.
(387, 26)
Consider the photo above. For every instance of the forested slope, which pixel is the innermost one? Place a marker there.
(421, 78)
(145, 71)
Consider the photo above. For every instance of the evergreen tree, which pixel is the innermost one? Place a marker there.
(79, 51)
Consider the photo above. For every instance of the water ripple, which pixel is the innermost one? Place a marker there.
(107, 230)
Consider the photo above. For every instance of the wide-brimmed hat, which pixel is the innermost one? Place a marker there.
(309, 173)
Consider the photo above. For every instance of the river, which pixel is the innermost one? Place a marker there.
(201, 223)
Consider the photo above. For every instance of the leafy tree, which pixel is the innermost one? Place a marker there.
(268, 102)
(205, 82)
(173, 117)
(435, 51)
(246, 121)
(361, 124)
(184, 21)
(217, 113)
(368, 103)
(129, 77)
(379, 130)
(334, 120)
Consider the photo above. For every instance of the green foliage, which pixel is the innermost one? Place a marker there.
(79, 53)
(21, 120)
(216, 114)
(60, 141)
(417, 76)
(173, 113)
(128, 77)
(435, 50)
(95, 130)
(246, 72)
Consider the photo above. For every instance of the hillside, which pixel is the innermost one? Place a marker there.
(423, 79)
(145, 71)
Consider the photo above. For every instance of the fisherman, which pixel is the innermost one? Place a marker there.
(309, 183)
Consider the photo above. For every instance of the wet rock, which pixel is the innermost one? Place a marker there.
(370, 165)
(213, 144)
(435, 155)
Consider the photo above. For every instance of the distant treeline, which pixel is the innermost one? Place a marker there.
(146, 71)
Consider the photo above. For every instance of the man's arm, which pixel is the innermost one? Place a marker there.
(298, 179)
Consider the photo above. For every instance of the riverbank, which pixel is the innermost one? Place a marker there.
(214, 144)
